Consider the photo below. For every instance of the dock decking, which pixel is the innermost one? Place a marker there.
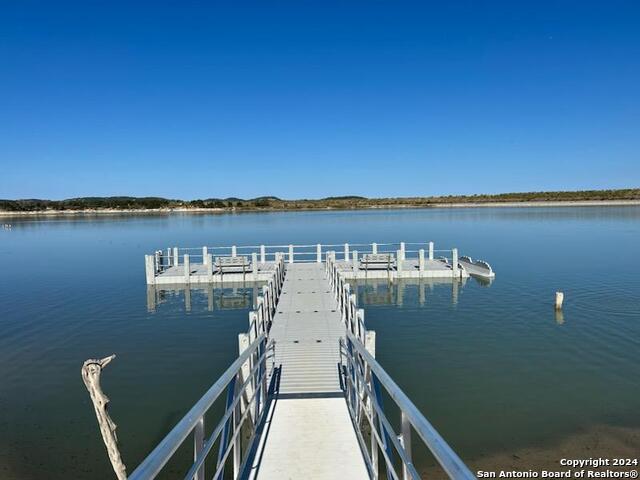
(310, 433)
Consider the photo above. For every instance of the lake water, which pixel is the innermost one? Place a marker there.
(492, 366)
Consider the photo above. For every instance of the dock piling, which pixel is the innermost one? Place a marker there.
(319, 253)
(234, 251)
(175, 257)
(355, 261)
(559, 300)
(209, 267)
(187, 268)
(205, 257)
(421, 260)
(254, 265)
(263, 254)
(454, 262)
(149, 269)
(399, 262)
(402, 250)
(346, 252)
(290, 253)
(430, 250)
(374, 248)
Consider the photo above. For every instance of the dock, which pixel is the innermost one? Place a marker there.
(304, 398)
(241, 264)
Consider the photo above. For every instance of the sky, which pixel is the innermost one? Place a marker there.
(312, 99)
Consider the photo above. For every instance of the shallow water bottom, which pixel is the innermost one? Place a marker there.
(599, 441)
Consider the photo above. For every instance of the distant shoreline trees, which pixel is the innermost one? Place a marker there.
(275, 203)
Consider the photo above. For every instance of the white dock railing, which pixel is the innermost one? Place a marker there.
(363, 378)
(163, 260)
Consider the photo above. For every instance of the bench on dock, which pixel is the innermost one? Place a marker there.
(232, 265)
(377, 261)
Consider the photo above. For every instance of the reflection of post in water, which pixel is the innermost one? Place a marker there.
(376, 292)
(400, 292)
(383, 292)
(187, 299)
(151, 298)
(210, 297)
(559, 317)
(454, 292)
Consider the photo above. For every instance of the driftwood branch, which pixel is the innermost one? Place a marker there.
(91, 370)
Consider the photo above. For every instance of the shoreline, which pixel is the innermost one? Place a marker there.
(146, 211)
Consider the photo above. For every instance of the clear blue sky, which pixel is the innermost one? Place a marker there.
(311, 99)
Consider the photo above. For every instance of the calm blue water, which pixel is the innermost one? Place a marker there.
(492, 367)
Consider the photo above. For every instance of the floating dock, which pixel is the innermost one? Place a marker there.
(238, 264)
(306, 397)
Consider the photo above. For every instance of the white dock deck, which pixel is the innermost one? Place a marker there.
(310, 438)
(309, 432)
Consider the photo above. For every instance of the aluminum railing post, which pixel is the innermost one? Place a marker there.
(198, 444)
(406, 443)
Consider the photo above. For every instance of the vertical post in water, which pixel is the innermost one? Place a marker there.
(263, 254)
(234, 251)
(454, 262)
(254, 265)
(156, 261)
(430, 250)
(399, 258)
(402, 250)
(209, 268)
(374, 248)
(319, 253)
(421, 260)
(290, 253)
(205, 257)
(187, 268)
(346, 252)
(149, 269)
(355, 262)
(175, 257)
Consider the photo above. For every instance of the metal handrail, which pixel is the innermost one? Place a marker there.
(158, 458)
(443, 453)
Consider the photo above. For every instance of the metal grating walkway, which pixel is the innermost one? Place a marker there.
(309, 433)
(306, 330)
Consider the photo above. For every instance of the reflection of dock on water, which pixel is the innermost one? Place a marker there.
(241, 296)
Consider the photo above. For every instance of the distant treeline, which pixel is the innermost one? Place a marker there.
(275, 203)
